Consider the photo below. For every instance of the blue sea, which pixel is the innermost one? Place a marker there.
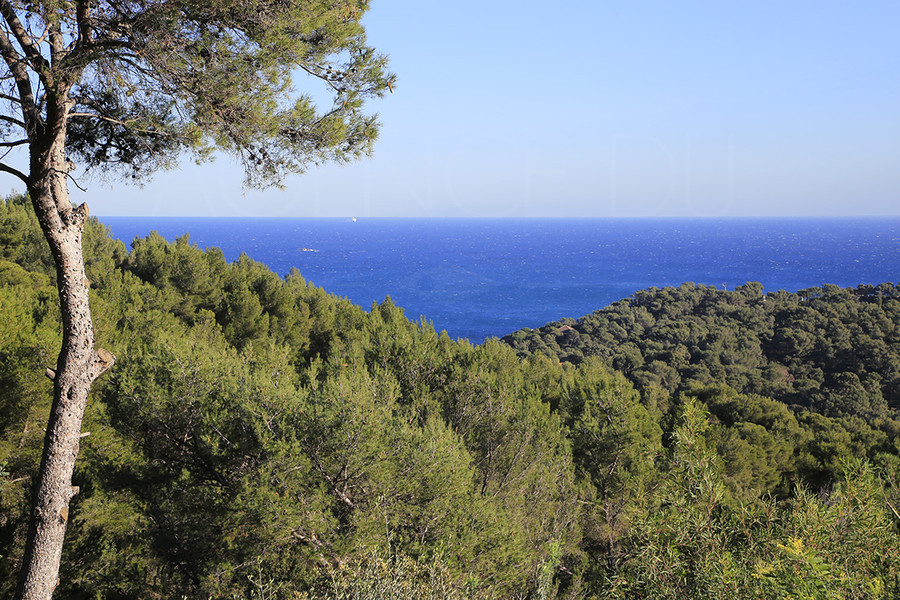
(477, 278)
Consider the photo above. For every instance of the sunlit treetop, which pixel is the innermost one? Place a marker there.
(144, 81)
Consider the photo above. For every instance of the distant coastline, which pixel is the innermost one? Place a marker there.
(488, 277)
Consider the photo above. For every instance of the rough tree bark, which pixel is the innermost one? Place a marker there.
(78, 364)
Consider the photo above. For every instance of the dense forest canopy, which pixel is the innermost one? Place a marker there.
(833, 350)
(261, 438)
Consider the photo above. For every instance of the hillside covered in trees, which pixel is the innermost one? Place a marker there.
(260, 438)
(835, 351)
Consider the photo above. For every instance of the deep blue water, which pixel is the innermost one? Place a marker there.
(488, 277)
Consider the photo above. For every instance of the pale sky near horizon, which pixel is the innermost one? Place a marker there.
(599, 109)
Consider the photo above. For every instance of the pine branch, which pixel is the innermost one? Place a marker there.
(115, 121)
(4, 168)
(11, 120)
(13, 99)
(16, 64)
(32, 52)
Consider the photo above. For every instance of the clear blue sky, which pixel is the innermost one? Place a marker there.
(601, 108)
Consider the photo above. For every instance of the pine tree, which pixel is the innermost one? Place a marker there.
(126, 87)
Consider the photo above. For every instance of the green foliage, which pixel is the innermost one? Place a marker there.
(148, 82)
(840, 545)
(682, 549)
(260, 438)
(615, 445)
(374, 576)
(21, 240)
(831, 350)
(760, 440)
(843, 544)
(28, 338)
(827, 353)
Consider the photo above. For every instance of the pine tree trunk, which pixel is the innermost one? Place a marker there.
(78, 365)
